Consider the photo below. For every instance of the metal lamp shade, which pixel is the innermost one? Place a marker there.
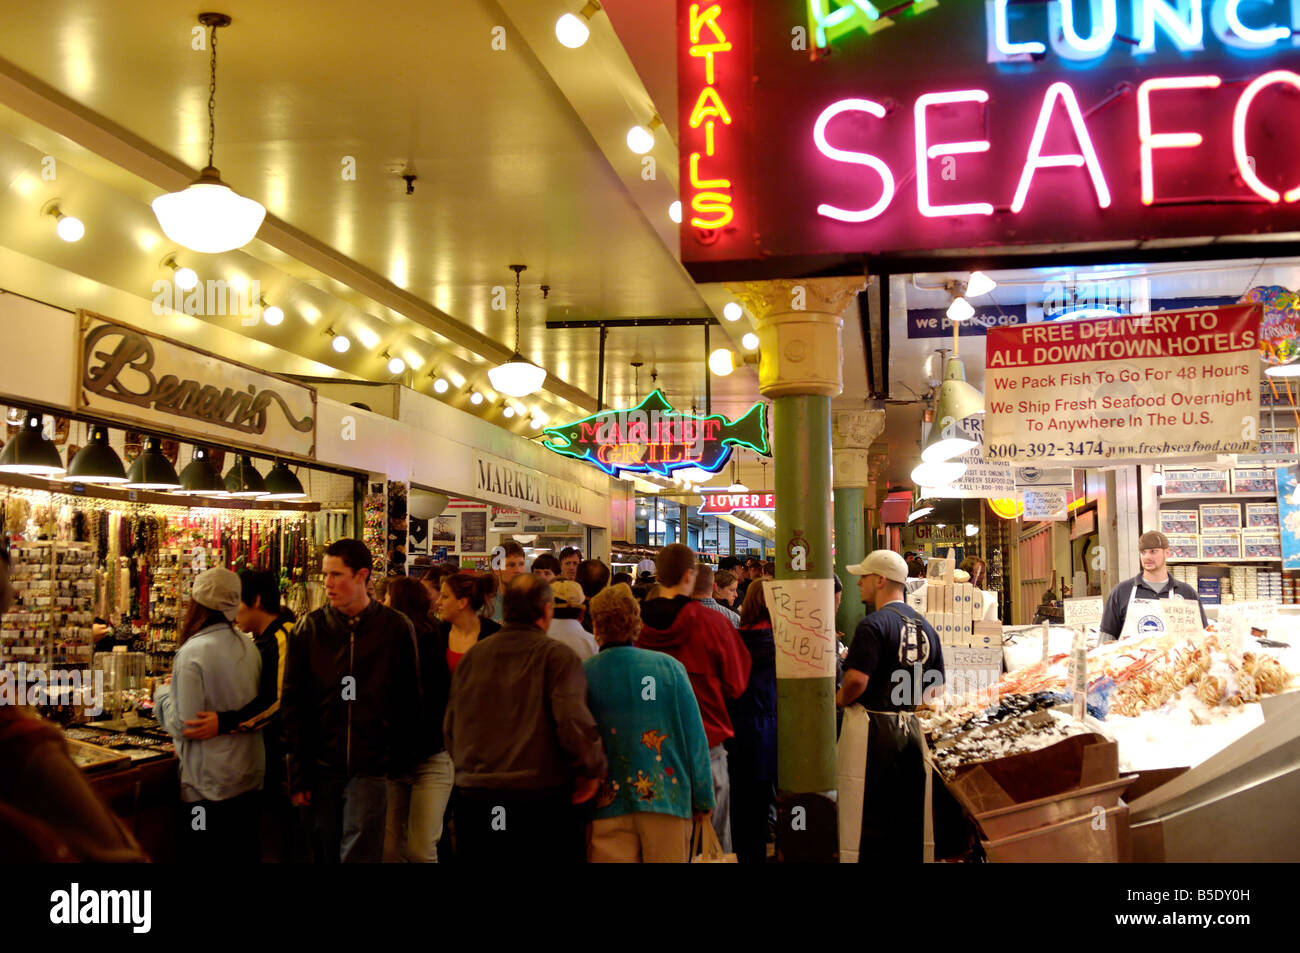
(957, 401)
(97, 462)
(29, 452)
(243, 480)
(283, 484)
(151, 470)
(200, 478)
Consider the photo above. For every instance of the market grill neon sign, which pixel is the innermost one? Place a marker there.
(654, 438)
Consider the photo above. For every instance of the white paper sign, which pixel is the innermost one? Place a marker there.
(1046, 503)
(1083, 611)
(970, 673)
(1236, 621)
(803, 626)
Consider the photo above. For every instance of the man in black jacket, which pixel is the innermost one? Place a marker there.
(351, 708)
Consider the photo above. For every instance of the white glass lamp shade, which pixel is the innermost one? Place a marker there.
(571, 31)
(209, 216)
(979, 284)
(937, 474)
(518, 378)
(960, 310)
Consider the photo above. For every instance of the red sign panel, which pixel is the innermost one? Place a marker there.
(925, 127)
(719, 504)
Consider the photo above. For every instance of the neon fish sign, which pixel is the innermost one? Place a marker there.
(711, 198)
(654, 438)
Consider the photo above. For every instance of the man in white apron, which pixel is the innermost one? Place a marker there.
(1128, 609)
(894, 664)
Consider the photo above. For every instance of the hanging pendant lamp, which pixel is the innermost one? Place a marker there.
(282, 484)
(200, 477)
(209, 216)
(957, 401)
(97, 461)
(243, 481)
(517, 377)
(30, 452)
(151, 470)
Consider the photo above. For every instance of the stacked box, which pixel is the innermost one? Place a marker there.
(1269, 585)
(1261, 515)
(1220, 516)
(1221, 545)
(1208, 589)
(986, 633)
(1181, 522)
(1261, 544)
(1180, 481)
(1254, 480)
(1184, 546)
(1277, 442)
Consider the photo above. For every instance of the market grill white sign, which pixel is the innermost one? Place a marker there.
(501, 481)
(1179, 383)
(130, 375)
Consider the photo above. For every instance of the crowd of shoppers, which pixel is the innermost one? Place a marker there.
(400, 722)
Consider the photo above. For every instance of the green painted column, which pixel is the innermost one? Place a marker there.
(799, 324)
(852, 434)
(850, 548)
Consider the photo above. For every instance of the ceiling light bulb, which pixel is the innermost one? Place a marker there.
(273, 315)
(396, 365)
(732, 311)
(979, 284)
(341, 343)
(475, 398)
(972, 529)
(440, 385)
(186, 278)
(675, 212)
(750, 341)
(70, 229)
(508, 412)
(571, 31)
(722, 362)
(640, 140)
(737, 488)
(960, 310)
(537, 423)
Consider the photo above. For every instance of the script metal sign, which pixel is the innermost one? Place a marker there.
(141, 378)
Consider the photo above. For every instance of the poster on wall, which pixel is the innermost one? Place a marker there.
(473, 532)
(1288, 513)
(506, 520)
(1181, 383)
(445, 531)
(418, 541)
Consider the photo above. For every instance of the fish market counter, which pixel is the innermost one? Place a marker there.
(134, 771)
(1185, 746)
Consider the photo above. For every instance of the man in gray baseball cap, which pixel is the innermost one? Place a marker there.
(1153, 582)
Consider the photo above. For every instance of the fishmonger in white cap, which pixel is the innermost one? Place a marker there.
(894, 638)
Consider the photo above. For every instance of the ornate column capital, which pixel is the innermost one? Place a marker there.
(799, 324)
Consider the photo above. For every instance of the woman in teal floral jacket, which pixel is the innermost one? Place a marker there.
(659, 774)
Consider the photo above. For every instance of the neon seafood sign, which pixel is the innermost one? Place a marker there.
(653, 437)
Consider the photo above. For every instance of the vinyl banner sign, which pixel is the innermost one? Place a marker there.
(842, 128)
(130, 375)
(1182, 383)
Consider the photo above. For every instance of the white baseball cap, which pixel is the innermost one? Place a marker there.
(218, 589)
(884, 562)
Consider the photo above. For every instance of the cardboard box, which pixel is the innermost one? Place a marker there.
(1216, 517)
(1254, 480)
(1277, 442)
(1261, 544)
(1261, 515)
(1180, 521)
(1184, 546)
(1187, 481)
(1220, 545)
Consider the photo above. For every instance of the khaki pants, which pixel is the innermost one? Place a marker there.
(643, 837)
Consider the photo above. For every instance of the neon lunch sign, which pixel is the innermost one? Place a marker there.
(653, 437)
(984, 124)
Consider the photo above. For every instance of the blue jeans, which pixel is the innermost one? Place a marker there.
(349, 814)
(416, 806)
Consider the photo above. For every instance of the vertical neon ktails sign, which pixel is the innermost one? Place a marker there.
(711, 199)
